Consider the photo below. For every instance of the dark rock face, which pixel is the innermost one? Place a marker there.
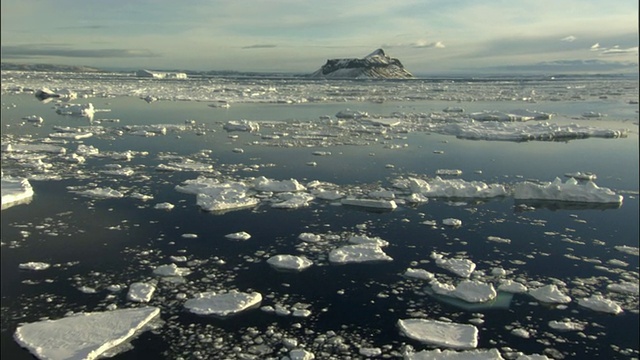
(376, 65)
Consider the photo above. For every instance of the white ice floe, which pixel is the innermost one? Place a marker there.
(34, 265)
(419, 274)
(289, 262)
(164, 206)
(625, 287)
(291, 185)
(571, 190)
(358, 254)
(601, 304)
(631, 250)
(452, 222)
(370, 203)
(85, 110)
(513, 287)
(582, 175)
(471, 291)
(84, 335)
(461, 267)
(439, 333)
(241, 235)
(33, 148)
(241, 125)
(212, 195)
(550, 294)
(566, 325)
(363, 239)
(301, 354)
(223, 304)
(448, 172)
(171, 270)
(34, 119)
(437, 354)
(451, 188)
(15, 191)
(290, 200)
(326, 194)
(101, 193)
(140, 292)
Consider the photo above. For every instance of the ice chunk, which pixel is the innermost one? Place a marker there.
(625, 287)
(419, 274)
(581, 175)
(171, 270)
(511, 286)
(164, 206)
(474, 291)
(452, 222)
(599, 303)
(438, 333)
(550, 294)
(140, 292)
(292, 200)
(566, 325)
(461, 267)
(212, 195)
(437, 354)
(363, 239)
(241, 125)
(301, 354)
(358, 254)
(448, 172)
(631, 250)
(264, 184)
(32, 265)
(456, 188)
(222, 304)
(15, 191)
(370, 203)
(84, 335)
(242, 235)
(310, 237)
(85, 110)
(101, 193)
(289, 262)
(571, 190)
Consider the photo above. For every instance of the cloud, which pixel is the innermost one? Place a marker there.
(424, 44)
(616, 51)
(259, 46)
(569, 38)
(595, 47)
(572, 66)
(28, 51)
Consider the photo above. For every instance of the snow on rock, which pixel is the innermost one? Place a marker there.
(461, 267)
(289, 262)
(15, 191)
(438, 333)
(84, 335)
(140, 292)
(33, 265)
(358, 254)
(571, 190)
(550, 294)
(437, 354)
(241, 235)
(457, 188)
(601, 304)
(222, 304)
(291, 185)
(370, 203)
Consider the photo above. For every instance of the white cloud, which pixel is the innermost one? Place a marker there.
(569, 38)
(595, 47)
(616, 50)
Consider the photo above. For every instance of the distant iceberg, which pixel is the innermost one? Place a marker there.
(15, 191)
(571, 190)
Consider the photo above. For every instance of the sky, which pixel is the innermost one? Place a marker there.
(298, 36)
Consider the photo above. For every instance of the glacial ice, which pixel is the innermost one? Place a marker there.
(571, 190)
(437, 354)
(370, 203)
(222, 304)
(550, 294)
(289, 262)
(15, 191)
(358, 254)
(83, 335)
(461, 267)
(439, 333)
(601, 304)
(140, 292)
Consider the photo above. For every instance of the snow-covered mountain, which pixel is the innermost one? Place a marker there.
(376, 65)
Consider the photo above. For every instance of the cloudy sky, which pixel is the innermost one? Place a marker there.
(428, 36)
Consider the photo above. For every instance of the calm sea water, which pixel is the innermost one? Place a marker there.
(97, 243)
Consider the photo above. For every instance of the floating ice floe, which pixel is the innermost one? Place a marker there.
(566, 325)
(242, 235)
(370, 203)
(448, 172)
(471, 291)
(601, 304)
(140, 292)
(223, 304)
(451, 188)
(241, 125)
(513, 287)
(84, 110)
(34, 148)
(631, 250)
(437, 354)
(301, 354)
(452, 222)
(625, 287)
(461, 267)
(358, 254)
(100, 193)
(164, 206)
(291, 200)
(439, 333)
(212, 195)
(550, 294)
(171, 270)
(34, 265)
(582, 175)
(291, 185)
(34, 119)
(289, 262)
(419, 274)
(571, 190)
(363, 239)
(15, 191)
(84, 335)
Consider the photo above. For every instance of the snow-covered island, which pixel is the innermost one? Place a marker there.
(376, 65)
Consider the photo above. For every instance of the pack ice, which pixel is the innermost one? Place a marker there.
(222, 304)
(439, 333)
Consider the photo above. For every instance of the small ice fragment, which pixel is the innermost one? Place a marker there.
(171, 270)
(452, 222)
(601, 304)
(448, 172)
(301, 354)
(631, 250)
(513, 287)
(34, 266)
(483, 354)
(223, 304)
(140, 292)
(461, 267)
(550, 294)
(566, 325)
(242, 236)
(625, 287)
(189, 236)
(289, 262)
(419, 274)
(310, 237)
(164, 206)
(358, 254)
(370, 203)
(438, 333)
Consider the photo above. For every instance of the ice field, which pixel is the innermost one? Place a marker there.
(291, 218)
